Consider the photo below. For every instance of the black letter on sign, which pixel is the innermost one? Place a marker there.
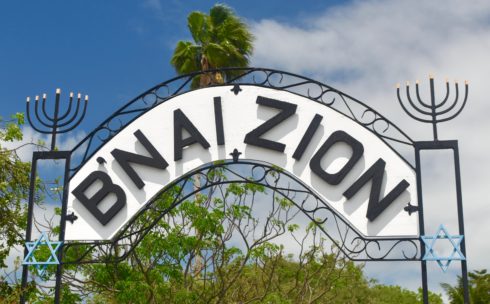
(124, 159)
(182, 122)
(315, 123)
(375, 174)
(218, 119)
(337, 136)
(107, 188)
(253, 137)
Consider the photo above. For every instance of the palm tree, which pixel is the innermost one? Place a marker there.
(221, 39)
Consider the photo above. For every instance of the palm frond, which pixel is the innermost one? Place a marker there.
(186, 57)
(199, 26)
(219, 13)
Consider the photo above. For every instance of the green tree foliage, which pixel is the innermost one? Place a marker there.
(14, 191)
(220, 40)
(14, 187)
(387, 294)
(479, 288)
(222, 247)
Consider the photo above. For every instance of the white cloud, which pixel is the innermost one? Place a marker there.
(27, 145)
(31, 138)
(153, 5)
(363, 48)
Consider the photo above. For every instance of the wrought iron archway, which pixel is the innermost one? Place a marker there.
(353, 244)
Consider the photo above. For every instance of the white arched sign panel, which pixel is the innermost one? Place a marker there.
(353, 170)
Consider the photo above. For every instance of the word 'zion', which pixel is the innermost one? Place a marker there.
(181, 122)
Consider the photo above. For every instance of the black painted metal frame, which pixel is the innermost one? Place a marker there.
(353, 244)
(47, 155)
(442, 145)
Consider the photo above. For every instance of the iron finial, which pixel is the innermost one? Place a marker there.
(236, 89)
(235, 154)
(411, 208)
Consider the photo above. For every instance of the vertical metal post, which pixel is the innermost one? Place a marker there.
(433, 108)
(55, 120)
(464, 268)
(423, 264)
(64, 200)
(66, 155)
(443, 145)
(30, 210)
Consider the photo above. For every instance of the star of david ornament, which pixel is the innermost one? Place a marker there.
(432, 255)
(53, 247)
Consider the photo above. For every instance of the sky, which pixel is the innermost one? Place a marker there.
(113, 51)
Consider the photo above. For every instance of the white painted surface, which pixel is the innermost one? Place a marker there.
(241, 114)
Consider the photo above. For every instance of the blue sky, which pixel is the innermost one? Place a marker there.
(110, 50)
(114, 50)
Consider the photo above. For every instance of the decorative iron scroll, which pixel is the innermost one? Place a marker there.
(348, 240)
(274, 79)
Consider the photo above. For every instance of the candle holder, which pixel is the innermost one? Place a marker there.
(433, 112)
(57, 123)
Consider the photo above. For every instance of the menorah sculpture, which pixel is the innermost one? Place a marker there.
(433, 112)
(58, 123)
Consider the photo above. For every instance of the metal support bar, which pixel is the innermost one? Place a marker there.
(30, 210)
(55, 121)
(442, 145)
(45, 155)
(464, 266)
(423, 264)
(61, 238)
(433, 108)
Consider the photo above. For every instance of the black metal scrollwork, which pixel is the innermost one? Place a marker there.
(268, 78)
(351, 242)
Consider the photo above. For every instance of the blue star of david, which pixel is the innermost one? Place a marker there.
(53, 247)
(431, 254)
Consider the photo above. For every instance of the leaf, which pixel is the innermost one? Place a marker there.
(219, 13)
(198, 24)
(186, 57)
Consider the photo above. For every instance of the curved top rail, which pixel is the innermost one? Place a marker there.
(270, 78)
